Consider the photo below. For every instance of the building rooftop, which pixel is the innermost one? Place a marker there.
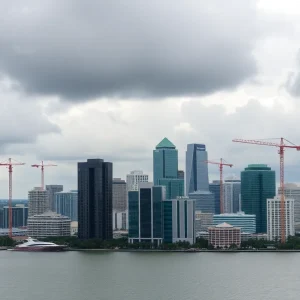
(224, 225)
(201, 192)
(238, 214)
(165, 143)
(49, 214)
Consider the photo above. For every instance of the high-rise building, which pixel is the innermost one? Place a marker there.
(180, 174)
(119, 194)
(134, 178)
(95, 199)
(196, 168)
(19, 216)
(174, 187)
(205, 201)
(165, 161)
(179, 220)
(66, 204)
(52, 190)
(274, 222)
(37, 201)
(247, 223)
(145, 214)
(224, 235)
(48, 224)
(257, 185)
(292, 190)
(214, 188)
(202, 221)
(232, 192)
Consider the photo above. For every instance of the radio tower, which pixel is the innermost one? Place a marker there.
(42, 165)
(221, 164)
(282, 144)
(9, 164)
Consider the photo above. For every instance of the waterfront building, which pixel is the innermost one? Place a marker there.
(66, 204)
(165, 161)
(19, 216)
(232, 192)
(196, 168)
(292, 190)
(202, 221)
(224, 235)
(274, 224)
(174, 187)
(52, 190)
(257, 185)
(214, 188)
(247, 223)
(95, 199)
(48, 224)
(179, 220)
(134, 178)
(119, 194)
(37, 201)
(145, 214)
(120, 220)
(74, 228)
(205, 201)
(180, 174)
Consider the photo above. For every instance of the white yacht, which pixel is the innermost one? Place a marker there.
(31, 244)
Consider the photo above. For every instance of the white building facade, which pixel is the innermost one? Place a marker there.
(273, 218)
(134, 178)
(48, 224)
(232, 191)
(120, 220)
(37, 201)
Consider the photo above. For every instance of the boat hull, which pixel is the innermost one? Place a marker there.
(40, 249)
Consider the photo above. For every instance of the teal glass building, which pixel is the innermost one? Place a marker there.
(174, 187)
(179, 220)
(165, 161)
(258, 184)
(145, 216)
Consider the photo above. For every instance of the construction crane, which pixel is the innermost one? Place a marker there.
(42, 165)
(9, 164)
(282, 144)
(220, 164)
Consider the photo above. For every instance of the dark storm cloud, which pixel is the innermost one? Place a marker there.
(86, 49)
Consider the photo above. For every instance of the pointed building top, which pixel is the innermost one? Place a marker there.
(165, 143)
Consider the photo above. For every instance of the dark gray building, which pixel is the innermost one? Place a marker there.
(205, 201)
(180, 174)
(95, 199)
(214, 188)
(52, 190)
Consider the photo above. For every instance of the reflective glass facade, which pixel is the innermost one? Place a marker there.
(133, 214)
(214, 188)
(257, 185)
(174, 187)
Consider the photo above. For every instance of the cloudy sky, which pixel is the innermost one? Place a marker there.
(110, 79)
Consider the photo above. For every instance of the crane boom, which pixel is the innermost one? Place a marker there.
(42, 165)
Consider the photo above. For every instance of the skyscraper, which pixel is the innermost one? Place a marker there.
(179, 220)
(95, 199)
(205, 201)
(19, 216)
(174, 187)
(214, 188)
(134, 178)
(165, 161)
(145, 214)
(66, 204)
(52, 189)
(274, 224)
(37, 201)
(257, 185)
(196, 168)
(119, 195)
(232, 191)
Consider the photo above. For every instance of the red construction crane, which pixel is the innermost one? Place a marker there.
(221, 164)
(281, 145)
(42, 165)
(9, 164)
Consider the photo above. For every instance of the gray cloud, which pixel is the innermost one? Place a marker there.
(81, 50)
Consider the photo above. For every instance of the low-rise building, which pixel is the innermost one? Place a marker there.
(48, 224)
(224, 235)
(247, 223)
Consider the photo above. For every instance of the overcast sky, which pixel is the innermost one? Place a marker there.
(110, 79)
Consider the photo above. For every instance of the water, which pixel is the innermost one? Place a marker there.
(145, 276)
